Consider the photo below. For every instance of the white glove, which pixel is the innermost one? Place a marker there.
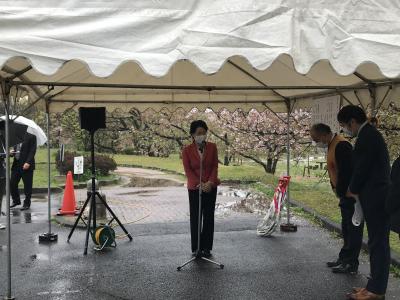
(358, 215)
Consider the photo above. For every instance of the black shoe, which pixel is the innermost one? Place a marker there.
(332, 264)
(345, 269)
(207, 253)
(25, 208)
(14, 205)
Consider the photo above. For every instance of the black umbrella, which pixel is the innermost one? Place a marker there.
(16, 133)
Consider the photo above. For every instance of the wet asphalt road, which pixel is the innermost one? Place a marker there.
(286, 266)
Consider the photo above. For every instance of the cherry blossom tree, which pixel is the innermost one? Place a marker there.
(389, 125)
(262, 136)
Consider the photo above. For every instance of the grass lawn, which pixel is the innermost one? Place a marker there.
(312, 191)
(173, 163)
(40, 176)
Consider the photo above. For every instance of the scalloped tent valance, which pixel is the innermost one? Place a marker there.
(201, 53)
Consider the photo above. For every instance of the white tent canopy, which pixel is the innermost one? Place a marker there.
(201, 53)
(196, 53)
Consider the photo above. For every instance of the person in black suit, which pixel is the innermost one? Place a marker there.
(340, 168)
(370, 183)
(393, 199)
(22, 168)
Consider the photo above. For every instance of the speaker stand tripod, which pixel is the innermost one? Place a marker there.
(199, 255)
(91, 199)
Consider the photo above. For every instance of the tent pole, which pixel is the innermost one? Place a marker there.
(49, 236)
(288, 163)
(288, 227)
(6, 87)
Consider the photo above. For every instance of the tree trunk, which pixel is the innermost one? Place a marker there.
(257, 160)
(273, 170)
(226, 158)
(269, 165)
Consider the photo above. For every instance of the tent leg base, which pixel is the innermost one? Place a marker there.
(289, 227)
(48, 237)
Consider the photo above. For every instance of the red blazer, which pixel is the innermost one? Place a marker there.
(191, 164)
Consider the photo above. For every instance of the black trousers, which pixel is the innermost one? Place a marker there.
(352, 235)
(27, 178)
(2, 191)
(207, 209)
(378, 226)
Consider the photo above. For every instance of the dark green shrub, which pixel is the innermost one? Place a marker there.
(104, 164)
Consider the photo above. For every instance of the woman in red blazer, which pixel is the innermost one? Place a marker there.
(191, 162)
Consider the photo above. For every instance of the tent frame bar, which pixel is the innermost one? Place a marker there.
(37, 100)
(389, 90)
(19, 73)
(248, 74)
(191, 87)
(162, 101)
(359, 100)
(363, 78)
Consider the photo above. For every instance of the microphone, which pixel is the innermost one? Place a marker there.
(201, 146)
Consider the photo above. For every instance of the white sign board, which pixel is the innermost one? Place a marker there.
(78, 165)
(325, 111)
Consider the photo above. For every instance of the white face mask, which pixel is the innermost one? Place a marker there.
(319, 144)
(348, 132)
(199, 139)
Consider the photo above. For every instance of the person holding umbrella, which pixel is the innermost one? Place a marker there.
(22, 168)
(25, 136)
(17, 133)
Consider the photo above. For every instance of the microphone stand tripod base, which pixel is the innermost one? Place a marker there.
(48, 237)
(198, 256)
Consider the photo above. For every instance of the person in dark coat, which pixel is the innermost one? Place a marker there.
(370, 183)
(393, 199)
(22, 168)
(340, 168)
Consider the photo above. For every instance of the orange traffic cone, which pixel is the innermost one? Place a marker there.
(68, 205)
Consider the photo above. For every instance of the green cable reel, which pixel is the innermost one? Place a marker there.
(104, 237)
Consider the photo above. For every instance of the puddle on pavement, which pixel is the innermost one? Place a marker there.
(152, 182)
(23, 217)
(39, 256)
(246, 201)
(39, 198)
(143, 193)
(234, 193)
(34, 258)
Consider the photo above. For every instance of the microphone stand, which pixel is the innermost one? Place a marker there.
(199, 255)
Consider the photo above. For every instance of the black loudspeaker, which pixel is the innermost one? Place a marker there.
(92, 118)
